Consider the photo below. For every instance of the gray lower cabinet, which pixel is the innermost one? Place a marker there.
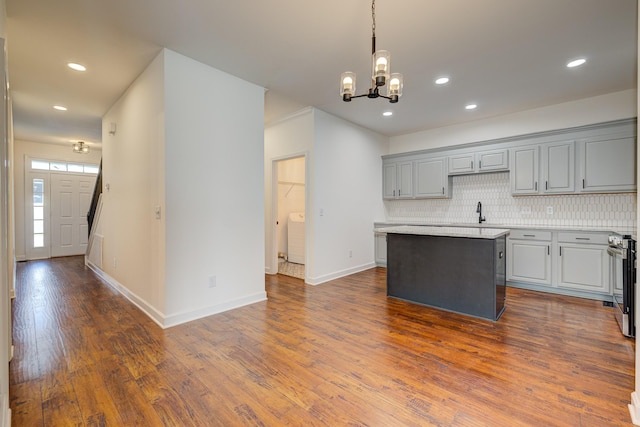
(380, 240)
(529, 257)
(583, 262)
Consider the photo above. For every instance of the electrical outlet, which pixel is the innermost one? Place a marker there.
(212, 282)
(549, 210)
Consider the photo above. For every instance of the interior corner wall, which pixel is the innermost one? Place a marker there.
(347, 197)
(133, 183)
(290, 137)
(214, 186)
(22, 150)
(597, 109)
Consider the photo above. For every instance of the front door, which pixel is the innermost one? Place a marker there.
(70, 202)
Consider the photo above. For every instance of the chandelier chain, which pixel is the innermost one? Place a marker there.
(373, 17)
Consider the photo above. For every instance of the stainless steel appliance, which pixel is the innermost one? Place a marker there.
(622, 252)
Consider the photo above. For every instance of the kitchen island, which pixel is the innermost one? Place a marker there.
(460, 269)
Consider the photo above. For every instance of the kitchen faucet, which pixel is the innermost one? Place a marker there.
(479, 212)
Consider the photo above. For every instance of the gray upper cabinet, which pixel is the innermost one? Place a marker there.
(492, 160)
(558, 167)
(543, 168)
(397, 180)
(481, 161)
(431, 178)
(607, 165)
(462, 163)
(524, 169)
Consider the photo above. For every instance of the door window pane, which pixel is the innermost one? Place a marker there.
(38, 226)
(58, 166)
(38, 240)
(91, 169)
(71, 167)
(38, 212)
(40, 165)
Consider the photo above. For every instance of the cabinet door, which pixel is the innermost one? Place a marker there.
(608, 165)
(381, 249)
(431, 178)
(389, 174)
(405, 179)
(461, 163)
(529, 261)
(583, 267)
(493, 160)
(524, 170)
(558, 167)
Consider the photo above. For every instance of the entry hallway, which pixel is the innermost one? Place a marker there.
(337, 354)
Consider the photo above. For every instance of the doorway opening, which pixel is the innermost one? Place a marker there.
(291, 217)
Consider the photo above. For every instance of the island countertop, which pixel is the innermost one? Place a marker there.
(469, 232)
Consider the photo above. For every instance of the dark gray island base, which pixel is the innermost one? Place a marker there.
(463, 271)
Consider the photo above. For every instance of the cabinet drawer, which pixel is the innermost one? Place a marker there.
(579, 237)
(530, 235)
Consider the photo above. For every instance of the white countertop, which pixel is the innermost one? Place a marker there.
(470, 232)
(381, 224)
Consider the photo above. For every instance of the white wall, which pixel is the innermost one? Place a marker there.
(133, 163)
(346, 192)
(214, 172)
(613, 106)
(24, 149)
(290, 137)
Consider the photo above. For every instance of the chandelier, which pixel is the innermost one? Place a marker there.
(380, 75)
(80, 148)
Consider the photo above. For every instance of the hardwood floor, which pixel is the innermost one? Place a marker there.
(337, 354)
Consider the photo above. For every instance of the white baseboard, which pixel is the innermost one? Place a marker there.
(149, 310)
(338, 274)
(634, 409)
(180, 318)
(5, 411)
(165, 321)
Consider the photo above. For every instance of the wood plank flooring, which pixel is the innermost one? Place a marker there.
(338, 354)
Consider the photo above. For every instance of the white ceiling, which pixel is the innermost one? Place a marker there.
(504, 55)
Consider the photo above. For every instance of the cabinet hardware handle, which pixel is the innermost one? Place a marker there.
(443, 191)
(479, 164)
(583, 238)
(560, 250)
(500, 254)
(548, 250)
(536, 186)
(471, 164)
(529, 235)
(394, 193)
(399, 193)
(546, 185)
(582, 182)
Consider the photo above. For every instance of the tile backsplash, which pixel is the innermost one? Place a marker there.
(615, 211)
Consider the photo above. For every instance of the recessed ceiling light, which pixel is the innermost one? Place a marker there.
(60, 108)
(387, 113)
(576, 63)
(471, 106)
(77, 67)
(442, 80)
